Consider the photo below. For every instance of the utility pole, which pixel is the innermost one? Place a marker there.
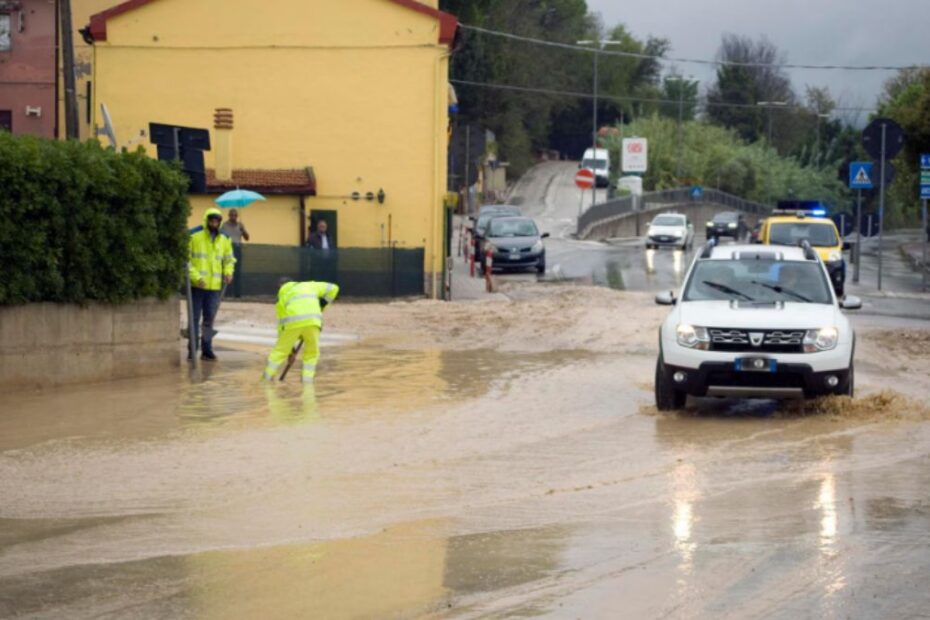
(67, 55)
(768, 178)
(817, 148)
(682, 82)
(597, 52)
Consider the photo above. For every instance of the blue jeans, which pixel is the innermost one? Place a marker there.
(205, 303)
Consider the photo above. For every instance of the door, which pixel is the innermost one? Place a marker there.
(331, 222)
(6, 120)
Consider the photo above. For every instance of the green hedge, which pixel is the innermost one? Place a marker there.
(82, 223)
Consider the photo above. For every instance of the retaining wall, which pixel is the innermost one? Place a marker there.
(46, 344)
(636, 223)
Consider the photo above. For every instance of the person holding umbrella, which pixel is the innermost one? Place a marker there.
(237, 233)
(211, 268)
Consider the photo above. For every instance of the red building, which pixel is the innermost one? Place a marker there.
(28, 68)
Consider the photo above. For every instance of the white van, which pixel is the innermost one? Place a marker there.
(597, 160)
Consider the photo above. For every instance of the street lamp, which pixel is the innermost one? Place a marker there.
(770, 105)
(599, 44)
(681, 100)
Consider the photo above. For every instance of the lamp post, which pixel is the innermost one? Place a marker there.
(682, 82)
(597, 49)
(770, 105)
(819, 116)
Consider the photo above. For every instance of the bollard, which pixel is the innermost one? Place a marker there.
(488, 269)
(471, 259)
(448, 295)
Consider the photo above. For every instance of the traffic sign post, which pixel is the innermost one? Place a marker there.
(584, 180)
(860, 178)
(882, 139)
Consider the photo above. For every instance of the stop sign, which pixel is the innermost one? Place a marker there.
(584, 178)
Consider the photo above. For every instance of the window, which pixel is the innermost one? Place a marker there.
(763, 281)
(6, 120)
(4, 32)
(512, 228)
(669, 220)
(821, 235)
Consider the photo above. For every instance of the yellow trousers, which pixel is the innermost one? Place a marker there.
(286, 341)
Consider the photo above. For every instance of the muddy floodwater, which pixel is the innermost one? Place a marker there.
(452, 482)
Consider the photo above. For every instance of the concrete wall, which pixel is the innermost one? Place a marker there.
(635, 224)
(44, 345)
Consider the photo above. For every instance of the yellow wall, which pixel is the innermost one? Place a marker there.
(356, 90)
(275, 221)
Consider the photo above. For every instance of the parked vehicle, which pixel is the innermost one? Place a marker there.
(670, 230)
(479, 226)
(597, 160)
(515, 243)
(754, 322)
(727, 224)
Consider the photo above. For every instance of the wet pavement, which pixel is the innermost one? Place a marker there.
(452, 484)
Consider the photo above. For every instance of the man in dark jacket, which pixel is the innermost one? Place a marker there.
(320, 239)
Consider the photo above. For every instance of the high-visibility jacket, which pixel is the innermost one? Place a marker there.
(211, 257)
(299, 303)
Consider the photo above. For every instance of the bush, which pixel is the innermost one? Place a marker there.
(81, 223)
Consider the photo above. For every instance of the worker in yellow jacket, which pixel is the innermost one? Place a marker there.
(211, 266)
(300, 317)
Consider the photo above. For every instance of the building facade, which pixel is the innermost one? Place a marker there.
(28, 76)
(346, 101)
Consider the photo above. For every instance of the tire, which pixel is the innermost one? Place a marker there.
(667, 397)
(541, 269)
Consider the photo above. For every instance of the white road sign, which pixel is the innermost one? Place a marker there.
(635, 151)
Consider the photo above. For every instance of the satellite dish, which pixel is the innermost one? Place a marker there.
(107, 129)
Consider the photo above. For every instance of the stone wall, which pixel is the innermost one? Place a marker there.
(46, 344)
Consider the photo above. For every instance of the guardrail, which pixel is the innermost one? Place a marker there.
(615, 209)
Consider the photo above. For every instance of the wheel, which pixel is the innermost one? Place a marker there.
(541, 268)
(667, 397)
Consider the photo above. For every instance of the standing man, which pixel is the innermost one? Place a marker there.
(320, 239)
(300, 317)
(211, 267)
(235, 230)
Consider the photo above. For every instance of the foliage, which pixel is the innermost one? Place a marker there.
(717, 157)
(81, 223)
(906, 99)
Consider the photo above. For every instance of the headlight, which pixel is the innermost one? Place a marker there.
(538, 246)
(678, 234)
(731, 225)
(834, 257)
(709, 224)
(693, 337)
(823, 339)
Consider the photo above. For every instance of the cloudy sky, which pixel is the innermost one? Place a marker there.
(850, 32)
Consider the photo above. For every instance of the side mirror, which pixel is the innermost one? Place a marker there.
(579, 166)
(544, 236)
(851, 302)
(666, 298)
(847, 246)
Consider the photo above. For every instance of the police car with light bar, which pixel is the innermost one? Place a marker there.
(755, 322)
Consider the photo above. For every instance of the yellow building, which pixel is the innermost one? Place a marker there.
(332, 102)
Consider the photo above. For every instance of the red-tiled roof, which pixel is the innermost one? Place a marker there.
(448, 23)
(301, 181)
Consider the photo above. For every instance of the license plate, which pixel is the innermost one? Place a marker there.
(756, 364)
(515, 256)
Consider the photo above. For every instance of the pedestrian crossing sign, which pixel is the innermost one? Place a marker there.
(860, 175)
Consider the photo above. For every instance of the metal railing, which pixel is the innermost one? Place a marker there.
(681, 197)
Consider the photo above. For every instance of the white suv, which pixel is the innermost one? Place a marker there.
(670, 229)
(755, 322)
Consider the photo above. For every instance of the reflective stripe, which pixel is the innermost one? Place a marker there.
(199, 255)
(300, 297)
(299, 317)
(273, 366)
(309, 367)
(267, 377)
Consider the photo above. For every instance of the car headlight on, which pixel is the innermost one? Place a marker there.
(823, 339)
(731, 225)
(835, 256)
(693, 337)
(678, 234)
(538, 246)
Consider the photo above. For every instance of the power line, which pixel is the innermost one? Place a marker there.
(698, 61)
(619, 98)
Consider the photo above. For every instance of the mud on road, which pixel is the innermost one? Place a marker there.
(487, 459)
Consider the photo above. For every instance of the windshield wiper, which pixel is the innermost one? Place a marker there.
(726, 289)
(781, 289)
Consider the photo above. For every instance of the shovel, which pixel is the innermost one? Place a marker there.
(292, 357)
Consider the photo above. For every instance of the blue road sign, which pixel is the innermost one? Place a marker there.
(925, 176)
(860, 175)
(697, 192)
(925, 161)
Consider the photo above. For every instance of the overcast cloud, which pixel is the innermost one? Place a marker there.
(851, 32)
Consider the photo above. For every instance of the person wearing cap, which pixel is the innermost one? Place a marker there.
(300, 318)
(211, 268)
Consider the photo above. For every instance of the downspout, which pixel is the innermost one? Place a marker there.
(441, 91)
(303, 219)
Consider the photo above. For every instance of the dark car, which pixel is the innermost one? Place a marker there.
(727, 224)
(485, 215)
(515, 243)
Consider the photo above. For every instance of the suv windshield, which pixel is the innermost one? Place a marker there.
(792, 233)
(512, 228)
(669, 220)
(761, 281)
(594, 164)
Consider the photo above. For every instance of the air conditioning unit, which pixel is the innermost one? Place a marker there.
(35, 111)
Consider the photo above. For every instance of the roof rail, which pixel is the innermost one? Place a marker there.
(708, 248)
(809, 252)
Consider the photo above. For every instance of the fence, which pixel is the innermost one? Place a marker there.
(679, 196)
(359, 272)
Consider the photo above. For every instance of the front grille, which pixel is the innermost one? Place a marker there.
(770, 341)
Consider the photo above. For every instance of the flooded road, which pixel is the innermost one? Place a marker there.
(522, 474)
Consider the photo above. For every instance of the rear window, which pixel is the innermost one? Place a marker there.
(792, 233)
(594, 164)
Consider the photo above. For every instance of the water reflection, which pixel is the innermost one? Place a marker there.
(684, 492)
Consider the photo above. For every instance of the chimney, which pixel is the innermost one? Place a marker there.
(223, 125)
